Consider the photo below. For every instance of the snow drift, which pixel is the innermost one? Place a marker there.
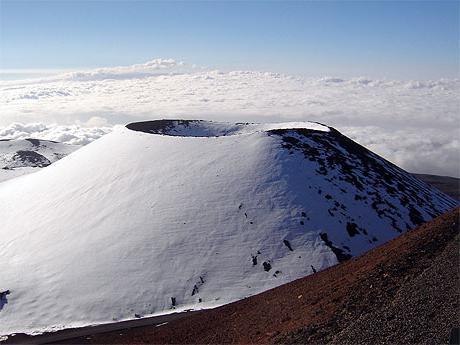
(172, 215)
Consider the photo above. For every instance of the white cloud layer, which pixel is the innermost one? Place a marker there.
(150, 68)
(73, 134)
(412, 123)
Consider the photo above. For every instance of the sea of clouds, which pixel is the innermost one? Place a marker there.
(414, 124)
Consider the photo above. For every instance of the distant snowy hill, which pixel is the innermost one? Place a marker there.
(170, 215)
(23, 156)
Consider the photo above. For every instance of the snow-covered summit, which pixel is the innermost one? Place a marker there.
(201, 128)
(172, 215)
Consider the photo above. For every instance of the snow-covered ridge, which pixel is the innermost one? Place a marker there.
(23, 156)
(201, 128)
(137, 224)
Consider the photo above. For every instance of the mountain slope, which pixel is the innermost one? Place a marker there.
(22, 156)
(14, 164)
(404, 292)
(172, 215)
(446, 184)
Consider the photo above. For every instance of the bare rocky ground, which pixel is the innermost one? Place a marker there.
(424, 310)
(404, 292)
(446, 184)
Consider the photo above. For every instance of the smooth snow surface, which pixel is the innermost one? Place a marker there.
(135, 219)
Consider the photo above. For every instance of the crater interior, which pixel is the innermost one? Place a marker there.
(203, 128)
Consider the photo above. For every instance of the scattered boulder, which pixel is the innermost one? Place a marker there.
(267, 266)
(288, 244)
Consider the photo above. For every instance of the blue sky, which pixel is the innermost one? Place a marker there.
(404, 39)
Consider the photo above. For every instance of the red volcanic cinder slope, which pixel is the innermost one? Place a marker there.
(405, 291)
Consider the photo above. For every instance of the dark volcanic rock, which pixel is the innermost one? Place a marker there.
(34, 142)
(31, 159)
(339, 253)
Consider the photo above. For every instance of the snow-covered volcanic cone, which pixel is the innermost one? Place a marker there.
(195, 214)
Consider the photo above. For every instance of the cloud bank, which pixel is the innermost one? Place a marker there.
(74, 134)
(150, 68)
(415, 124)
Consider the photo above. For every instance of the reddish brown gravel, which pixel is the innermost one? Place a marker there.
(406, 291)
(424, 309)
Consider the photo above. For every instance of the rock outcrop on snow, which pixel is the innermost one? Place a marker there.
(22, 156)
